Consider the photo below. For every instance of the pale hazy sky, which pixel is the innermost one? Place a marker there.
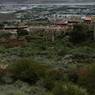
(43, 1)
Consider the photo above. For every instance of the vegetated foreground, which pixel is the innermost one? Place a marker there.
(56, 64)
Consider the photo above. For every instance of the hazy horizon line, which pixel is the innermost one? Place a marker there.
(82, 3)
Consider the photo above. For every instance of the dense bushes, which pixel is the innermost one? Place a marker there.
(79, 34)
(56, 74)
(5, 35)
(50, 72)
(22, 32)
(22, 71)
(49, 79)
(28, 71)
(87, 78)
(68, 89)
(21, 88)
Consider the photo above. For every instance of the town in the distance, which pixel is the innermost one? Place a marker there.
(45, 16)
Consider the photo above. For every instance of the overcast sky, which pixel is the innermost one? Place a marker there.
(42, 1)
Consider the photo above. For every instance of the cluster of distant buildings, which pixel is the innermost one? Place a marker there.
(78, 18)
(59, 21)
(70, 20)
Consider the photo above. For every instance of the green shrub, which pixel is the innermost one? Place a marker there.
(22, 32)
(22, 88)
(55, 74)
(68, 89)
(79, 33)
(5, 34)
(27, 70)
(87, 78)
(48, 84)
(23, 71)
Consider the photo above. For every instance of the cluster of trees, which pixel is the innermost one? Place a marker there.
(81, 33)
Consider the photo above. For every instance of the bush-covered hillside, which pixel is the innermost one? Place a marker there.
(53, 64)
